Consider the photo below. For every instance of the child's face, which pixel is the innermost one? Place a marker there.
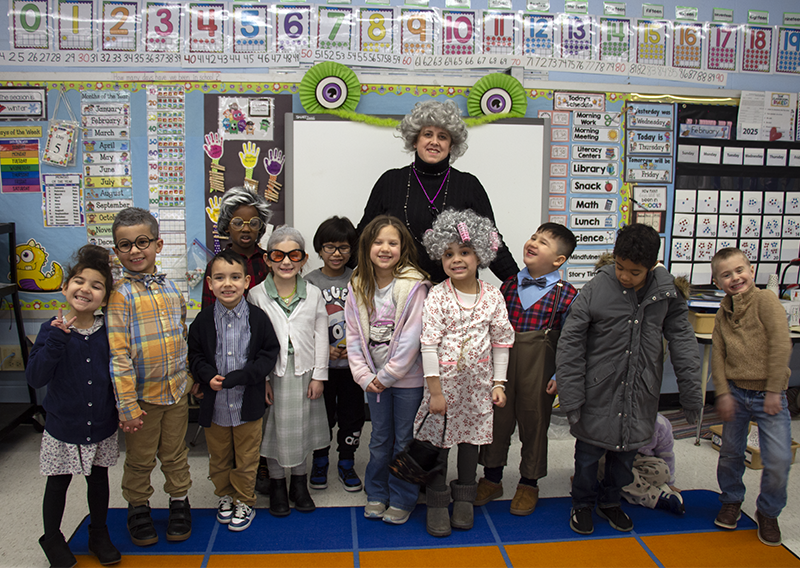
(630, 274)
(540, 254)
(228, 282)
(86, 291)
(285, 268)
(460, 263)
(734, 275)
(335, 256)
(385, 250)
(244, 238)
(137, 259)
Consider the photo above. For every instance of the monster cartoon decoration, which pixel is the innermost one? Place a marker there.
(31, 275)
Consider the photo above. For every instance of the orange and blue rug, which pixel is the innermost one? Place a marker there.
(341, 537)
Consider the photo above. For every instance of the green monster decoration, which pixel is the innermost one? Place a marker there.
(497, 94)
(329, 86)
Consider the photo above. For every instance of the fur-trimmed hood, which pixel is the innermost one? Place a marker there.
(682, 285)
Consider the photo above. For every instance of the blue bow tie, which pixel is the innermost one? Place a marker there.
(541, 282)
(148, 279)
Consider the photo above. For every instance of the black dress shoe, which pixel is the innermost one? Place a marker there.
(140, 525)
(298, 493)
(278, 498)
(179, 527)
(262, 479)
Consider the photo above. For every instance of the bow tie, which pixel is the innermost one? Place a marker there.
(148, 279)
(541, 282)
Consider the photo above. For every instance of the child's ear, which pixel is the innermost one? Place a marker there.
(208, 280)
(560, 259)
(247, 281)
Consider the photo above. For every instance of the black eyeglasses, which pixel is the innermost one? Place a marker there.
(295, 255)
(330, 249)
(142, 242)
(254, 223)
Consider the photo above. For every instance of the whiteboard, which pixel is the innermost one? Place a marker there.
(332, 165)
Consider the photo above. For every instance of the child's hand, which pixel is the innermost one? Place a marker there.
(343, 352)
(375, 386)
(551, 388)
(216, 383)
(499, 397)
(335, 353)
(726, 407)
(60, 324)
(133, 424)
(438, 404)
(270, 396)
(195, 391)
(773, 403)
(315, 389)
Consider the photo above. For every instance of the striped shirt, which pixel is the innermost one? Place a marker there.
(233, 342)
(147, 336)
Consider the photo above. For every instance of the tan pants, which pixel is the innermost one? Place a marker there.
(164, 436)
(233, 459)
(531, 365)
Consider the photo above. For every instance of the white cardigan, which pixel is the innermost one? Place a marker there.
(307, 327)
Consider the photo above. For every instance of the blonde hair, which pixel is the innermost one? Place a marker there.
(725, 254)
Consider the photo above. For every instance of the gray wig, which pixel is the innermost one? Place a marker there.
(462, 227)
(285, 233)
(446, 116)
(237, 197)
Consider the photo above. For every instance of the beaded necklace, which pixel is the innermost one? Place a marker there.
(431, 207)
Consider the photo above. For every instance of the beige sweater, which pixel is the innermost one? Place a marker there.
(751, 343)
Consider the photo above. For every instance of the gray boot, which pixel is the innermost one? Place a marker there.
(463, 498)
(438, 518)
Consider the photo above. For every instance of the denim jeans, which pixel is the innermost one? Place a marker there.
(586, 489)
(392, 414)
(775, 440)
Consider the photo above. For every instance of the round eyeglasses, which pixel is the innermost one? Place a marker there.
(330, 249)
(142, 242)
(255, 223)
(295, 255)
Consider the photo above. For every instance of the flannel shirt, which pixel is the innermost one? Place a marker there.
(257, 269)
(147, 336)
(538, 315)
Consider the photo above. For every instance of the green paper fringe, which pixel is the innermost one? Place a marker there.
(392, 122)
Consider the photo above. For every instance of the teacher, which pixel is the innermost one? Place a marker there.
(417, 193)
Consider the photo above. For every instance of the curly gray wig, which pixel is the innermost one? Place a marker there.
(444, 115)
(462, 227)
(285, 233)
(237, 197)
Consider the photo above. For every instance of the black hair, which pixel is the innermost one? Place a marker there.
(638, 243)
(229, 256)
(335, 230)
(566, 241)
(96, 258)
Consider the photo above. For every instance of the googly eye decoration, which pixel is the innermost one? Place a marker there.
(329, 86)
(496, 94)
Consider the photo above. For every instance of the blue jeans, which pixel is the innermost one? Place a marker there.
(392, 429)
(586, 490)
(775, 439)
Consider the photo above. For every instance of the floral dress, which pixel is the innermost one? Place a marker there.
(465, 337)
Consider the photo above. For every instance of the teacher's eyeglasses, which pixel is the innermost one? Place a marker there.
(142, 242)
(238, 223)
(295, 255)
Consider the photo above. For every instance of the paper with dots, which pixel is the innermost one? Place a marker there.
(773, 202)
(770, 250)
(792, 203)
(707, 201)
(728, 226)
(730, 202)
(751, 227)
(751, 202)
(750, 249)
(791, 226)
(771, 227)
(706, 226)
(725, 243)
(683, 225)
(704, 249)
(685, 200)
(682, 250)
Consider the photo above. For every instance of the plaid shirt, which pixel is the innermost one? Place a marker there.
(538, 315)
(257, 269)
(147, 336)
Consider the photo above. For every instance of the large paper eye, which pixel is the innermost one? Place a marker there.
(497, 93)
(329, 86)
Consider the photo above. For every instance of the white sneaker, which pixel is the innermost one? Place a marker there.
(242, 517)
(374, 510)
(225, 510)
(395, 516)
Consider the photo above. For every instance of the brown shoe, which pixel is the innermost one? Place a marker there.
(525, 499)
(728, 515)
(488, 491)
(768, 530)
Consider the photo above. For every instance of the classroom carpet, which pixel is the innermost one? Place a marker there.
(341, 537)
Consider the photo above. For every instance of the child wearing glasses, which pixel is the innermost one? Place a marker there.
(297, 423)
(335, 242)
(243, 217)
(146, 321)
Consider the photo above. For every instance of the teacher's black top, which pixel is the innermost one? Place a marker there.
(397, 192)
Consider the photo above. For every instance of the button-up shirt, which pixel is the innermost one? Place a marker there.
(233, 341)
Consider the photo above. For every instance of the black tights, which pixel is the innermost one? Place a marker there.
(467, 464)
(55, 499)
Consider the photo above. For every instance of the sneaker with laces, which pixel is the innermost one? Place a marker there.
(395, 516)
(671, 502)
(225, 510)
(319, 473)
(374, 510)
(348, 476)
(616, 517)
(728, 514)
(243, 515)
(580, 520)
(768, 530)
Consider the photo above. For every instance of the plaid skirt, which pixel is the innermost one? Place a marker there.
(61, 458)
(296, 425)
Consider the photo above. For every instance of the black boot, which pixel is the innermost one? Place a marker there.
(179, 526)
(57, 551)
(262, 477)
(278, 498)
(298, 493)
(140, 525)
(101, 546)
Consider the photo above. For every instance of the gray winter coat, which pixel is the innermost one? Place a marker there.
(610, 359)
